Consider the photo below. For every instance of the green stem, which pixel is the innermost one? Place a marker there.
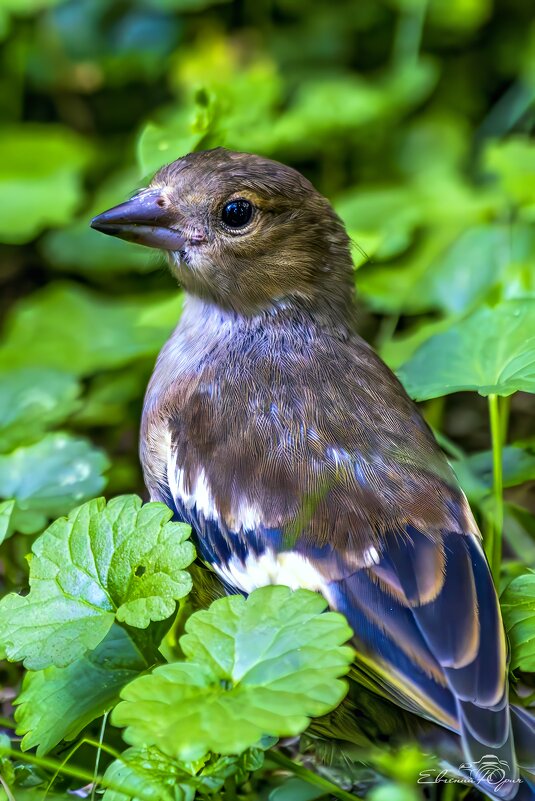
(7, 791)
(77, 773)
(84, 741)
(99, 751)
(311, 777)
(434, 411)
(387, 329)
(505, 408)
(494, 547)
(448, 446)
(231, 790)
(409, 32)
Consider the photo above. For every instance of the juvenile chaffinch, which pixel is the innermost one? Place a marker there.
(293, 451)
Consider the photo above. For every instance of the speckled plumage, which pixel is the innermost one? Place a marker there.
(277, 432)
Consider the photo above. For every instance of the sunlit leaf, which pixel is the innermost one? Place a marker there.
(261, 665)
(79, 248)
(388, 216)
(6, 510)
(32, 400)
(108, 333)
(394, 792)
(40, 179)
(121, 561)
(57, 703)
(49, 478)
(27, 6)
(162, 778)
(513, 161)
(459, 14)
(492, 351)
(180, 133)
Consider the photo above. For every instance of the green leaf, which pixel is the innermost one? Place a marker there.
(145, 774)
(513, 161)
(394, 792)
(27, 6)
(235, 96)
(179, 133)
(475, 472)
(458, 15)
(6, 511)
(261, 665)
(108, 396)
(57, 703)
(107, 333)
(79, 248)
(492, 351)
(186, 5)
(40, 179)
(161, 143)
(451, 270)
(121, 561)
(347, 103)
(156, 776)
(380, 219)
(31, 401)
(519, 530)
(295, 789)
(400, 348)
(518, 607)
(462, 275)
(49, 478)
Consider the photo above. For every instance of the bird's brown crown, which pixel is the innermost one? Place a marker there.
(257, 232)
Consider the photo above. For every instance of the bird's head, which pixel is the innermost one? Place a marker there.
(242, 231)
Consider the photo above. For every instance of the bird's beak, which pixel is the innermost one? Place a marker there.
(144, 219)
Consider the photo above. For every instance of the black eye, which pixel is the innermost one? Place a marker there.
(237, 213)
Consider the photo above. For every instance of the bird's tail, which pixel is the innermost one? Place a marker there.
(507, 771)
(523, 723)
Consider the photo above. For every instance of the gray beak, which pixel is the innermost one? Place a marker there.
(145, 219)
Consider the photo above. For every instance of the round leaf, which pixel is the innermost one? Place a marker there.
(57, 703)
(122, 561)
(32, 400)
(49, 478)
(491, 352)
(107, 333)
(256, 666)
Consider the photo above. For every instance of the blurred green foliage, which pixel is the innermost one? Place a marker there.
(413, 116)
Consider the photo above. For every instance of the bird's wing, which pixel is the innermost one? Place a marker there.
(427, 616)
(329, 479)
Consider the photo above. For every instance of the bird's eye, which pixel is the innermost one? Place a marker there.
(237, 213)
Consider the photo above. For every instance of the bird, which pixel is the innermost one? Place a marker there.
(276, 431)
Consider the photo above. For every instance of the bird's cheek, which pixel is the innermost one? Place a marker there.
(190, 259)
